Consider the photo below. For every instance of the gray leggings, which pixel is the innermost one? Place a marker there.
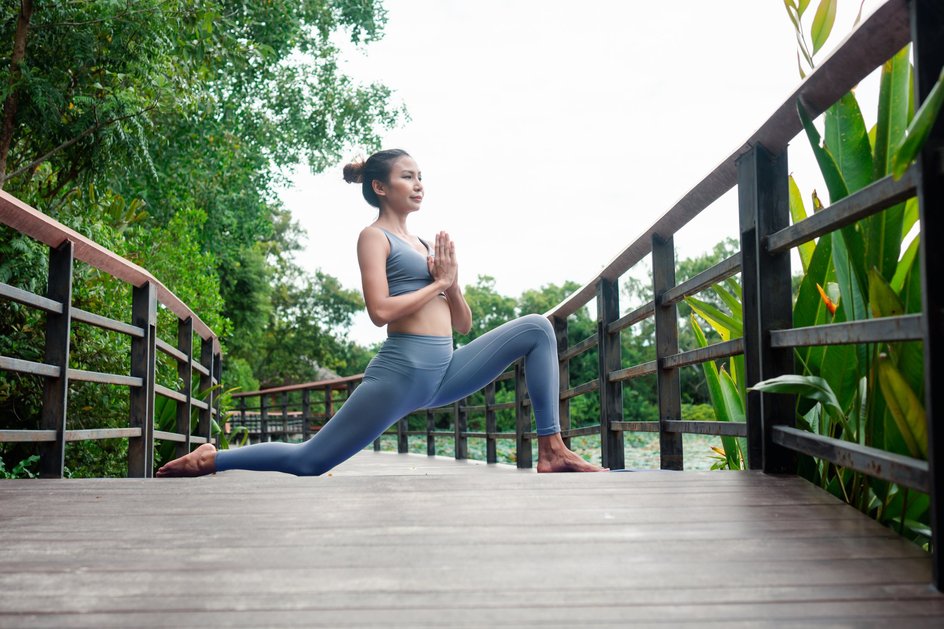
(411, 372)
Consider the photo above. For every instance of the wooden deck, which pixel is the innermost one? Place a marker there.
(411, 541)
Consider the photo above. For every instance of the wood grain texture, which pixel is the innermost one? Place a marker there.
(410, 541)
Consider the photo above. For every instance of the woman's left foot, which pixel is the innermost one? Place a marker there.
(200, 462)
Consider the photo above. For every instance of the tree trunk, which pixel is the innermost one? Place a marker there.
(10, 105)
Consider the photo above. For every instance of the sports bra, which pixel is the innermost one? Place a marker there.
(407, 270)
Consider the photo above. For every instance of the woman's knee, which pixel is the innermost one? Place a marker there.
(540, 323)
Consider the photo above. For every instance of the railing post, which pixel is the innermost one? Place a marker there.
(560, 332)
(611, 393)
(430, 439)
(143, 315)
(306, 414)
(768, 304)
(329, 403)
(403, 442)
(666, 320)
(522, 420)
(185, 373)
(205, 417)
(462, 426)
(217, 395)
(242, 416)
(263, 419)
(491, 424)
(56, 390)
(283, 402)
(927, 23)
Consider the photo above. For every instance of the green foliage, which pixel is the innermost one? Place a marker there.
(161, 134)
(21, 469)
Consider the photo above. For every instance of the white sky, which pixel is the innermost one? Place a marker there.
(552, 133)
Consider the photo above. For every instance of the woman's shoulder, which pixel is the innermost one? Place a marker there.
(372, 237)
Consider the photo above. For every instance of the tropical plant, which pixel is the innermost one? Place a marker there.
(868, 393)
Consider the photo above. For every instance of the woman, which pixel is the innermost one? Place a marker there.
(413, 289)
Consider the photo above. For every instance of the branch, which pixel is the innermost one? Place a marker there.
(68, 143)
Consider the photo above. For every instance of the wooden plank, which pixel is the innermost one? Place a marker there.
(107, 324)
(639, 314)
(105, 378)
(27, 436)
(447, 550)
(896, 468)
(871, 199)
(28, 366)
(728, 429)
(578, 348)
(635, 371)
(92, 434)
(717, 273)
(29, 299)
(902, 328)
(702, 354)
(166, 348)
(586, 387)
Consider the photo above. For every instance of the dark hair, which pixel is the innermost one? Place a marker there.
(376, 167)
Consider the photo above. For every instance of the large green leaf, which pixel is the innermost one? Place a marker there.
(847, 140)
(797, 214)
(910, 217)
(909, 357)
(919, 129)
(823, 22)
(905, 407)
(850, 272)
(717, 396)
(827, 165)
(893, 109)
(811, 387)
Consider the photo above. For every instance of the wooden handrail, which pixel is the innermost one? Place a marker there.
(33, 223)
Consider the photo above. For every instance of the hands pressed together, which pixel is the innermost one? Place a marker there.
(443, 265)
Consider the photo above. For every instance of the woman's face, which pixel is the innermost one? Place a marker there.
(404, 191)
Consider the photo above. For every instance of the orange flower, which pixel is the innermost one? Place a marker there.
(826, 300)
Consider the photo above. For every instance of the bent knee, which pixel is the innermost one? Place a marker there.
(311, 467)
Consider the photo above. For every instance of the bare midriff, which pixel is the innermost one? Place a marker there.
(432, 319)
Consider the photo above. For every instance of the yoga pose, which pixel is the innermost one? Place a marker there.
(413, 289)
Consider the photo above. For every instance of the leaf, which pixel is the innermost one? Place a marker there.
(731, 300)
(823, 23)
(882, 299)
(724, 324)
(919, 129)
(905, 408)
(801, 7)
(798, 214)
(909, 217)
(904, 265)
(812, 387)
(893, 109)
(847, 140)
(827, 165)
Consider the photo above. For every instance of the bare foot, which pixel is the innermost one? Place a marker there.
(198, 463)
(554, 456)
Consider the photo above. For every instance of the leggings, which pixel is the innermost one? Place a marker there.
(411, 372)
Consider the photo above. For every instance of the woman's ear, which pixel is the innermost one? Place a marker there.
(378, 187)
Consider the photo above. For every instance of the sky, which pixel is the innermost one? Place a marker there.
(552, 133)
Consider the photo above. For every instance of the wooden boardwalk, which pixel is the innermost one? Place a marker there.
(411, 541)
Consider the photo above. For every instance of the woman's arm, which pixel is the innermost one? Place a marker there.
(372, 251)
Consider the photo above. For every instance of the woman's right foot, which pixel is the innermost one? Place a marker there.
(554, 456)
(200, 462)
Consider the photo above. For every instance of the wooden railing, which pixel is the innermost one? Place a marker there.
(65, 247)
(758, 168)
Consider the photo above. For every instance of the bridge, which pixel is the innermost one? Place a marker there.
(412, 540)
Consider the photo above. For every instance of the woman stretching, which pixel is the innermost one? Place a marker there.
(412, 288)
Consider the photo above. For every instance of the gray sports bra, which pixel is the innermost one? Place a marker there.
(407, 270)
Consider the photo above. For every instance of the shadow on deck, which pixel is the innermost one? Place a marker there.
(407, 540)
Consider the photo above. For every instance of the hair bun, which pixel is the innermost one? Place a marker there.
(354, 172)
